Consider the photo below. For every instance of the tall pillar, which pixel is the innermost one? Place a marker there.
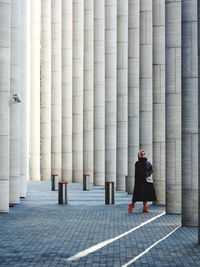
(5, 10)
(99, 92)
(88, 98)
(56, 85)
(122, 93)
(35, 90)
(67, 89)
(45, 90)
(159, 99)
(133, 88)
(23, 105)
(78, 47)
(146, 62)
(15, 86)
(173, 106)
(190, 134)
(110, 89)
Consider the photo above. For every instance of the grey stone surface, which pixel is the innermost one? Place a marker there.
(190, 131)
(39, 232)
(173, 106)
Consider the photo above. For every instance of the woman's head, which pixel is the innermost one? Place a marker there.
(142, 154)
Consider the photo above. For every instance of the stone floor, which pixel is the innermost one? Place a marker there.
(39, 232)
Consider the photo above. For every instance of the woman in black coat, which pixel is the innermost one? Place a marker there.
(143, 190)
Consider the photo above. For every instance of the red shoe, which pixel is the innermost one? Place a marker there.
(145, 208)
(131, 207)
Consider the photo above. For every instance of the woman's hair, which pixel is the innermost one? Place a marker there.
(140, 152)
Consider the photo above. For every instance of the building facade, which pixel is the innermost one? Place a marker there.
(107, 77)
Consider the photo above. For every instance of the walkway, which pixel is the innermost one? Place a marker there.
(39, 232)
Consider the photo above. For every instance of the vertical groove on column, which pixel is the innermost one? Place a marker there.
(46, 91)
(133, 89)
(122, 93)
(78, 46)
(110, 89)
(56, 80)
(15, 86)
(4, 107)
(35, 90)
(190, 132)
(23, 105)
(67, 89)
(88, 99)
(198, 8)
(99, 92)
(173, 106)
(159, 99)
(146, 94)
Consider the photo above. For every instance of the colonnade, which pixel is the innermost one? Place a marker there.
(107, 77)
(13, 114)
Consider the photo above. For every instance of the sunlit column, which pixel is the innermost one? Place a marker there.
(5, 12)
(99, 92)
(67, 30)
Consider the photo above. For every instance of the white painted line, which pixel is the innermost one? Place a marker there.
(106, 242)
(149, 248)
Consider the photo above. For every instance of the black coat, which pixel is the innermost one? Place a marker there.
(143, 191)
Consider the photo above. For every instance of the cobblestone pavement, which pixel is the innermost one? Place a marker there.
(39, 232)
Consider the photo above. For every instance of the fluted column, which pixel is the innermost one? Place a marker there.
(173, 106)
(23, 105)
(146, 93)
(133, 88)
(67, 89)
(35, 6)
(190, 106)
(122, 93)
(56, 85)
(110, 89)
(88, 99)
(78, 47)
(15, 88)
(99, 92)
(5, 11)
(46, 90)
(159, 99)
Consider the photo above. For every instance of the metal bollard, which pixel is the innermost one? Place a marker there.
(109, 193)
(54, 182)
(62, 192)
(86, 182)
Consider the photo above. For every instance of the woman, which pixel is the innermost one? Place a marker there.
(143, 190)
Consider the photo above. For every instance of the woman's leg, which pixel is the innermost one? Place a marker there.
(145, 207)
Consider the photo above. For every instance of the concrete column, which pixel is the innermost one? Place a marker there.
(23, 105)
(88, 99)
(46, 90)
(78, 47)
(67, 89)
(99, 92)
(4, 107)
(173, 106)
(146, 90)
(122, 93)
(133, 88)
(110, 89)
(15, 88)
(56, 85)
(159, 99)
(35, 90)
(190, 134)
